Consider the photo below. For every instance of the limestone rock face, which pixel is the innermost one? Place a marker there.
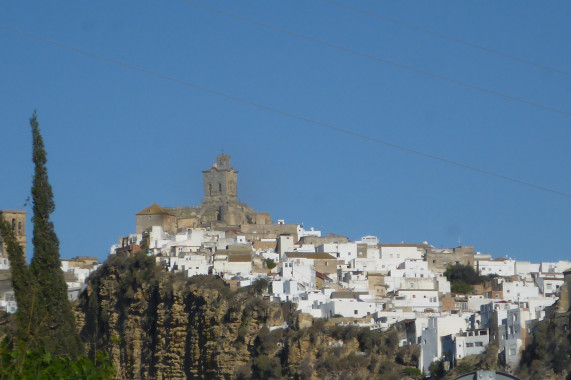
(156, 325)
(159, 325)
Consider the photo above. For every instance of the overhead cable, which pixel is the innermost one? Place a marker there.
(382, 60)
(449, 38)
(288, 114)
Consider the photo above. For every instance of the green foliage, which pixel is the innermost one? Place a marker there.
(408, 355)
(488, 360)
(459, 286)
(212, 282)
(550, 349)
(370, 341)
(45, 317)
(57, 318)
(412, 372)
(260, 286)
(130, 274)
(270, 264)
(436, 370)
(45, 344)
(24, 285)
(266, 341)
(462, 277)
(264, 367)
(466, 273)
(464, 367)
(22, 363)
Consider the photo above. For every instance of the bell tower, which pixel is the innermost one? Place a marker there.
(220, 182)
(17, 220)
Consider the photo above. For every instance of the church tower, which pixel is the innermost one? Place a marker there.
(17, 219)
(220, 182)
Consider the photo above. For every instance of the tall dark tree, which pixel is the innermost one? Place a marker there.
(24, 285)
(61, 337)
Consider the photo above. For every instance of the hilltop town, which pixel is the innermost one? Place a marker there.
(452, 301)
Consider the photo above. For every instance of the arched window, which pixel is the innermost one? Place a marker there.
(13, 224)
(19, 228)
(220, 187)
(210, 189)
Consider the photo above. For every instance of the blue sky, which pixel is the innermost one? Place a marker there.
(120, 139)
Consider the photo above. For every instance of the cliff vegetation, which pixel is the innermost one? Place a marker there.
(160, 325)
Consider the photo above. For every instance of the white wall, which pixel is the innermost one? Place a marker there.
(500, 267)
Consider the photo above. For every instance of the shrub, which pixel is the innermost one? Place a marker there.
(415, 373)
(270, 264)
(265, 367)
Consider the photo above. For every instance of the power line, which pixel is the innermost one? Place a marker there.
(382, 60)
(287, 114)
(449, 38)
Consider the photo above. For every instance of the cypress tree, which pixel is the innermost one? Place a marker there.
(60, 335)
(24, 285)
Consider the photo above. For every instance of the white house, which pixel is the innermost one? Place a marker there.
(347, 304)
(549, 284)
(470, 342)
(417, 299)
(343, 251)
(431, 342)
(519, 291)
(300, 270)
(232, 264)
(555, 267)
(501, 267)
(403, 251)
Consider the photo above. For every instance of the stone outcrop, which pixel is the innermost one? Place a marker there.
(160, 325)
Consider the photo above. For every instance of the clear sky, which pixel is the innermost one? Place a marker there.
(130, 103)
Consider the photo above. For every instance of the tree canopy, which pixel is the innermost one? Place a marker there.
(46, 343)
(462, 278)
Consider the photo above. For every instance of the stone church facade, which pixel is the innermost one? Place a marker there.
(219, 209)
(17, 219)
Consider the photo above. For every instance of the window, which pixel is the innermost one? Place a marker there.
(469, 344)
(355, 312)
(220, 187)
(479, 344)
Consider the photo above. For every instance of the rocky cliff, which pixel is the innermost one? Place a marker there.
(163, 326)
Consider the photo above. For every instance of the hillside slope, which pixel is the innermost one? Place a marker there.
(164, 326)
